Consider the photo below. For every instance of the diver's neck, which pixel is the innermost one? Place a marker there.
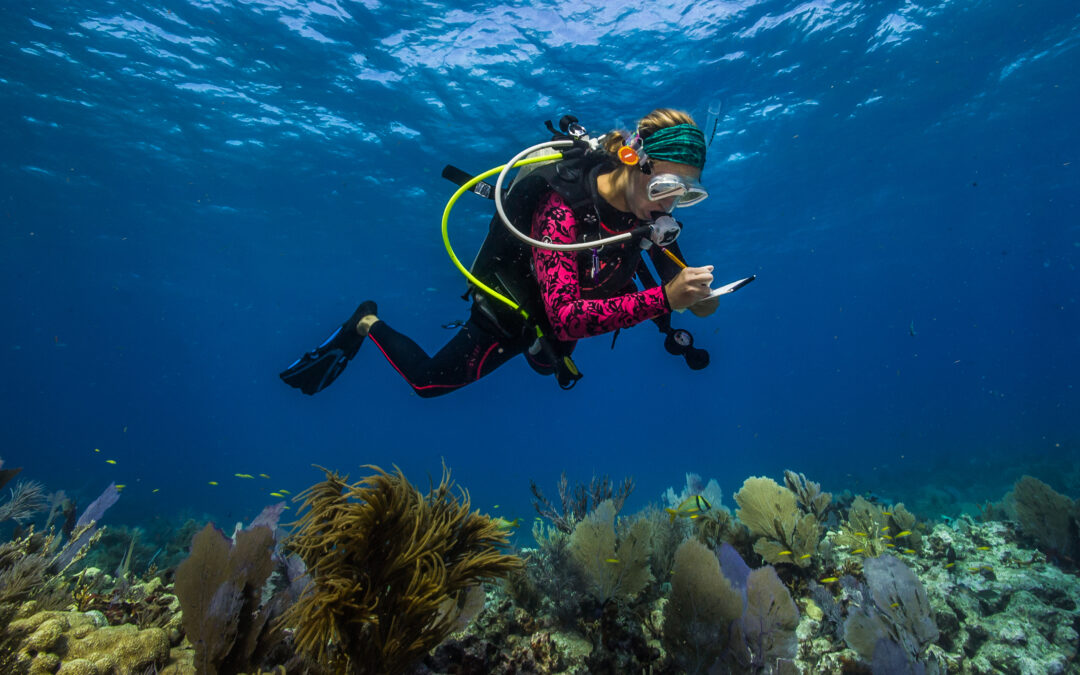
(612, 187)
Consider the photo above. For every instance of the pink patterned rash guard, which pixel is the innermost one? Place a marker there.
(571, 316)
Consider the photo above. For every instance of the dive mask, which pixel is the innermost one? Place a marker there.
(686, 191)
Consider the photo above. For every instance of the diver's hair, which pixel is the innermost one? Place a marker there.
(661, 118)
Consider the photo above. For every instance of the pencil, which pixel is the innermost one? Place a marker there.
(674, 257)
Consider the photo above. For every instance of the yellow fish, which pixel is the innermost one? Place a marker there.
(909, 550)
(785, 553)
(612, 560)
(859, 534)
(110, 461)
(804, 556)
(97, 449)
(829, 580)
(263, 475)
(948, 565)
(284, 491)
(691, 507)
(121, 486)
(155, 489)
(276, 494)
(504, 524)
(243, 475)
(903, 534)
(982, 548)
(887, 513)
(211, 482)
(859, 550)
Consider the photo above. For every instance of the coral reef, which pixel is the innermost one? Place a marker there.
(870, 530)
(954, 598)
(695, 485)
(763, 639)
(1051, 519)
(397, 582)
(390, 569)
(702, 606)
(78, 642)
(892, 613)
(786, 533)
(711, 527)
(27, 498)
(809, 494)
(579, 501)
(145, 604)
(1000, 607)
(733, 621)
(220, 589)
(613, 571)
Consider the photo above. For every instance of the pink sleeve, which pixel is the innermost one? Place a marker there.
(557, 272)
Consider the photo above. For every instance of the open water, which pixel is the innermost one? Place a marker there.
(194, 193)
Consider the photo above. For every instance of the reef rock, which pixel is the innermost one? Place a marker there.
(1002, 608)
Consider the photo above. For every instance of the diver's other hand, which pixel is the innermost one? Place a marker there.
(705, 307)
(690, 286)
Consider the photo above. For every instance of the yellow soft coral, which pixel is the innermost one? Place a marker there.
(389, 569)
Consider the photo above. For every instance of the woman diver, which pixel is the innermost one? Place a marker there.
(621, 185)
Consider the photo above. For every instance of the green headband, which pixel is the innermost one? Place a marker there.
(682, 143)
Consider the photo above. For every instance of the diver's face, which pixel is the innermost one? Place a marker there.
(637, 190)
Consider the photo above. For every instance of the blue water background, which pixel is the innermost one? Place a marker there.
(193, 193)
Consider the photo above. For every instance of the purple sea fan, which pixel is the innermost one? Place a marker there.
(99, 506)
(900, 596)
(763, 639)
(894, 608)
(85, 527)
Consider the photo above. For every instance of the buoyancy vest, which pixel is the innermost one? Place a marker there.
(505, 263)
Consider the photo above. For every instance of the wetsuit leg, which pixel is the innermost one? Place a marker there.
(471, 354)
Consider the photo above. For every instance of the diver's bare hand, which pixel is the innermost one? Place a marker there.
(690, 286)
(705, 307)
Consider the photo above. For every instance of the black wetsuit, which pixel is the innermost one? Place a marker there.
(493, 334)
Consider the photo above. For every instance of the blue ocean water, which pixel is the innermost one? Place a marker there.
(194, 193)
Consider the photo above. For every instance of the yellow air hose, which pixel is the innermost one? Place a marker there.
(446, 218)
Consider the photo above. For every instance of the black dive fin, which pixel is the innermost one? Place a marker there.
(317, 369)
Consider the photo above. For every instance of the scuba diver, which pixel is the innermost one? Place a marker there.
(559, 263)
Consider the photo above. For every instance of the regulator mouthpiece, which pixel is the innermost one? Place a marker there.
(664, 229)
